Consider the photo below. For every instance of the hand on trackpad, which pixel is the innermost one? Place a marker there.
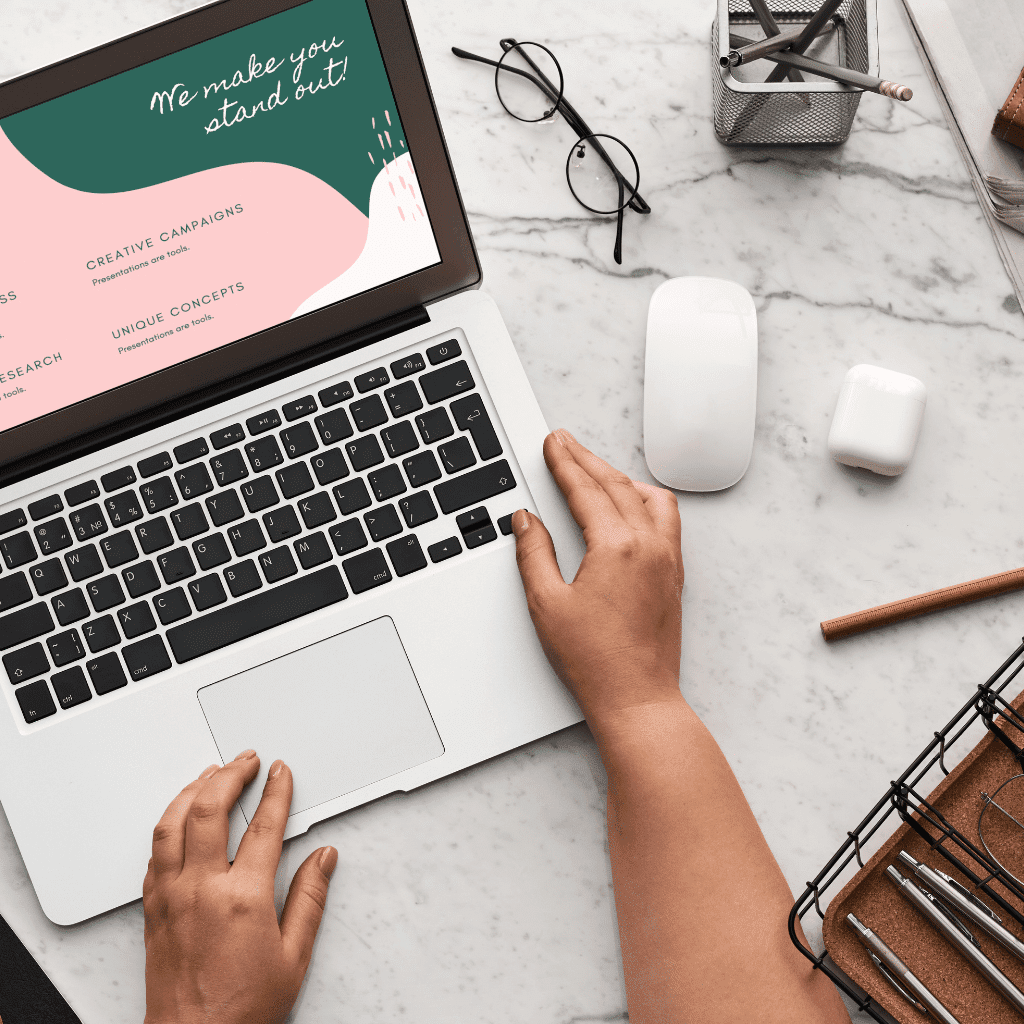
(342, 713)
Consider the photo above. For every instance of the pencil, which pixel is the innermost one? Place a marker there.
(751, 51)
(771, 28)
(933, 601)
(811, 29)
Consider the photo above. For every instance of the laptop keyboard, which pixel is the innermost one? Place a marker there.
(254, 524)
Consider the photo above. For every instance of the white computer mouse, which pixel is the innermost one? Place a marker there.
(700, 383)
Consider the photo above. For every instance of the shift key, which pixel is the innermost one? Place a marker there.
(473, 488)
(26, 624)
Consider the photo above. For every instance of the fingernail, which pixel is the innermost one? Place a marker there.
(563, 437)
(210, 771)
(246, 755)
(275, 768)
(520, 522)
(328, 860)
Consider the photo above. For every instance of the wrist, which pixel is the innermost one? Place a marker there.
(637, 734)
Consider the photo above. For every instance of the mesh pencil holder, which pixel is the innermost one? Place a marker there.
(751, 112)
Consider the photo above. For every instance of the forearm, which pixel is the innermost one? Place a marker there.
(701, 902)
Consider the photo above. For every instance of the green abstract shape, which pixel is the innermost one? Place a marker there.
(106, 138)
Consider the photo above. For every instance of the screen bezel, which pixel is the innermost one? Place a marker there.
(459, 267)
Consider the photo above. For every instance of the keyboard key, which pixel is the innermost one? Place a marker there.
(367, 571)
(446, 350)
(106, 674)
(300, 407)
(140, 579)
(312, 550)
(82, 492)
(387, 482)
(65, 647)
(278, 564)
(317, 510)
(264, 422)
(373, 379)
(227, 436)
(53, 536)
(118, 478)
(193, 481)
(224, 508)
(14, 590)
(263, 454)
(295, 480)
(190, 521)
(18, 550)
(159, 495)
(69, 607)
(191, 450)
(422, 469)
(12, 520)
(470, 414)
(348, 536)
(243, 578)
(136, 619)
(46, 507)
(334, 426)
(483, 535)
(328, 466)
(211, 551)
(472, 488)
(444, 549)
(146, 658)
(410, 364)
(26, 664)
(207, 592)
(101, 633)
(155, 464)
(434, 425)
(48, 576)
(446, 382)
(89, 522)
(71, 687)
(260, 494)
(418, 509)
(336, 393)
(383, 522)
(153, 535)
(24, 624)
(260, 612)
(473, 519)
(368, 413)
(352, 496)
(456, 455)
(406, 555)
(36, 702)
(282, 523)
(299, 440)
(172, 606)
(364, 452)
(119, 548)
(229, 467)
(105, 593)
(123, 508)
(505, 524)
(176, 565)
(403, 399)
(246, 538)
(83, 562)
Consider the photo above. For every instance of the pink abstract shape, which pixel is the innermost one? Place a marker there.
(401, 213)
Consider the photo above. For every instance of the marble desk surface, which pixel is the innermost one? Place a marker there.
(487, 897)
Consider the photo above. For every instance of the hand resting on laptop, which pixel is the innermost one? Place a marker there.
(701, 903)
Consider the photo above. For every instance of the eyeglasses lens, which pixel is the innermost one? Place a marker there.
(602, 173)
(1001, 825)
(529, 82)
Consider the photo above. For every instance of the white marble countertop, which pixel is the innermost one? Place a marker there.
(486, 897)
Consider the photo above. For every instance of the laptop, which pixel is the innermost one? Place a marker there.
(260, 439)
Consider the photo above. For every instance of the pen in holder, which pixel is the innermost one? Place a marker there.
(750, 111)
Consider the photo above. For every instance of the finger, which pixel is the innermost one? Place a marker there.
(663, 508)
(259, 852)
(206, 824)
(304, 907)
(169, 834)
(535, 554)
(588, 501)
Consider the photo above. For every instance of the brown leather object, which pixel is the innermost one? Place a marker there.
(1009, 124)
(874, 900)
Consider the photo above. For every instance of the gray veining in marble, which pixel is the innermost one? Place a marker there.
(486, 897)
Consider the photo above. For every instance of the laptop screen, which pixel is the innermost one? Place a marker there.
(197, 199)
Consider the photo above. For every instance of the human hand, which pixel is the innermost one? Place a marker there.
(613, 634)
(214, 949)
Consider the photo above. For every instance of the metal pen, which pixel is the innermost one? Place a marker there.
(954, 936)
(896, 972)
(965, 902)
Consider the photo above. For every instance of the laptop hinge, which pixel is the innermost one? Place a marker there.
(204, 398)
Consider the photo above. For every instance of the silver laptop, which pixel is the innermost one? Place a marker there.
(260, 441)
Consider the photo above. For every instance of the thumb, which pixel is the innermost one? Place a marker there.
(304, 907)
(535, 554)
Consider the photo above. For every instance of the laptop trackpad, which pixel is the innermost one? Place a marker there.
(342, 713)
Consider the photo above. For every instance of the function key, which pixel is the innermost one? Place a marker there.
(82, 492)
(45, 507)
(374, 379)
(155, 464)
(336, 393)
(191, 450)
(299, 408)
(227, 436)
(117, 479)
(12, 520)
(410, 364)
(36, 702)
(264, 422)
(443, 352)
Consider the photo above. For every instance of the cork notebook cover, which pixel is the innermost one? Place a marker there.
(874, 900)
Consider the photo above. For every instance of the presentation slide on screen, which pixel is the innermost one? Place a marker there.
(203, 197)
